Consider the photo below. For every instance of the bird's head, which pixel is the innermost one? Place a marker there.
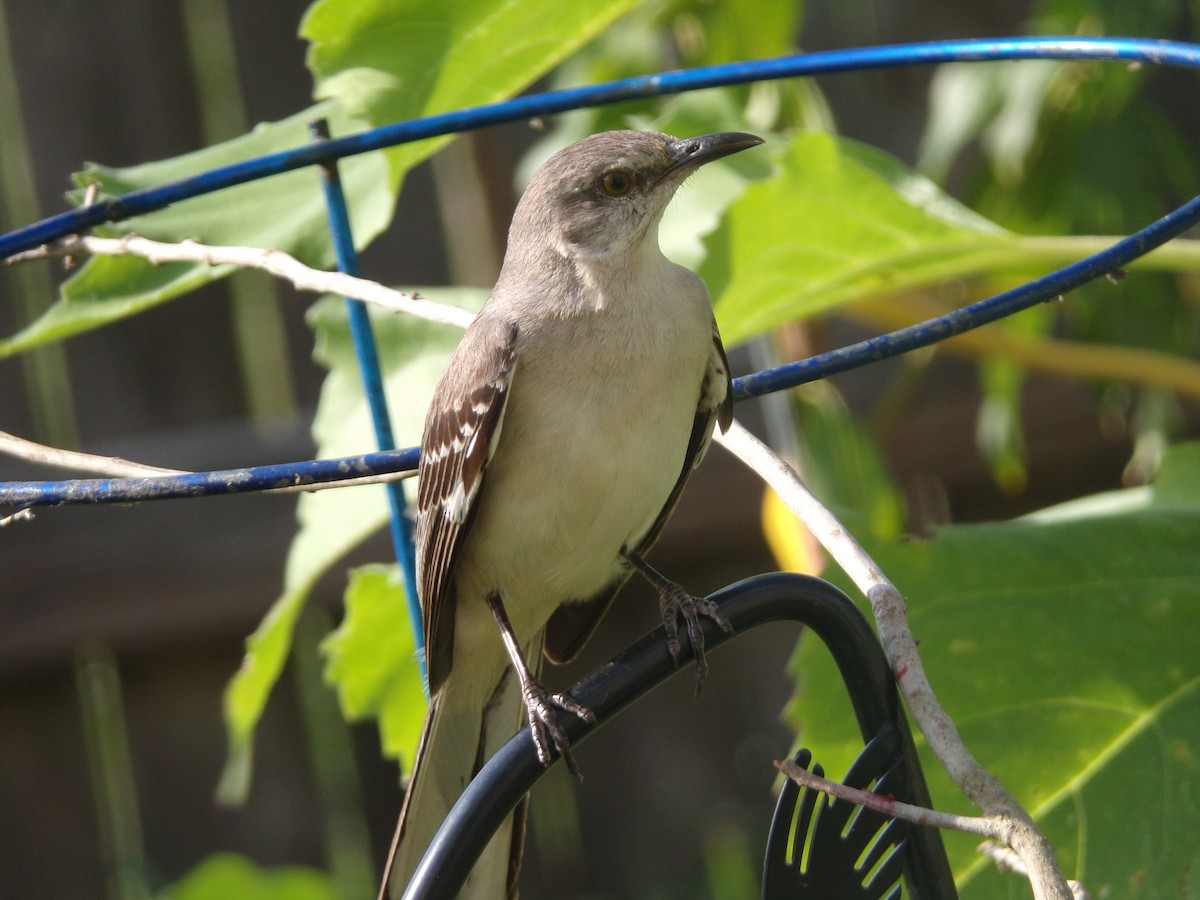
(604, 194)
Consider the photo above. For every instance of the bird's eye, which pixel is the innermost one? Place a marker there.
(616, 183)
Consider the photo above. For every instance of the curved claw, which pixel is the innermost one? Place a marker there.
(541, 707)
(676, 603)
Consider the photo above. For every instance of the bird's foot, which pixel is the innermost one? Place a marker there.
(542, 708)
(676, 604)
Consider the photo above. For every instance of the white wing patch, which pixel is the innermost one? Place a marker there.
(456, 506)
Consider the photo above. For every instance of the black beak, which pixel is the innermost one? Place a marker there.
(692, 153)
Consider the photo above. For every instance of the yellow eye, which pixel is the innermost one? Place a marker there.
(616, 183)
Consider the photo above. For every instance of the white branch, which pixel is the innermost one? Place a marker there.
(891, 617)
(14, 446)
(889, 806)
(1008, 861)
(1004, 857)
(274, 262)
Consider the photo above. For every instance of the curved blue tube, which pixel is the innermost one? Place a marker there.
(200, 484)
(22, 494)
(800, 65)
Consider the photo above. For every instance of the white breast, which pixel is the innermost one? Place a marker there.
(595, 432)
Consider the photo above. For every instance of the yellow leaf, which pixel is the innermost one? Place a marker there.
(793, 546)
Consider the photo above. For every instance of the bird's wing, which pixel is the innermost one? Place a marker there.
(461, 429)
(573, 623)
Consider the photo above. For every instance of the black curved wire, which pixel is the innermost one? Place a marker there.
(646, 663)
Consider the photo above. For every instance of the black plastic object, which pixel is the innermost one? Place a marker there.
(824, 847)
(509, 775)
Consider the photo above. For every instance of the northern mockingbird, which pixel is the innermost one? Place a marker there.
(555, 448)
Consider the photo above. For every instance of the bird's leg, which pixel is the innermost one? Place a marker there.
(675, 602)
(540, 704)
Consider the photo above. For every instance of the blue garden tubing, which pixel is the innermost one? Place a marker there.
(1049, 287)
(367, 353)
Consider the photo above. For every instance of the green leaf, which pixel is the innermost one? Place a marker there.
(1065, 648)
(105, 291)
(748, 29)
(842, 466)
(1178, 480)
(838, 222)
(333, 522)
(392, 60)
(285, 212)
(383, 60)
(228, 875)
(412, 354)
(372, 660)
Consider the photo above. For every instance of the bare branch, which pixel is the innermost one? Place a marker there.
(1004, 857)
(889, 806)
(891, 617)
(11, 445)
(274, 262)
(1008, 861)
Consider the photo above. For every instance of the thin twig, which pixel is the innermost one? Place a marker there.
(888, 806)
(274, 262)
(11, 445)
(1004, 857)
(891, 617)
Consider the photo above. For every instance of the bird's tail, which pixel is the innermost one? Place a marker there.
(458, 738)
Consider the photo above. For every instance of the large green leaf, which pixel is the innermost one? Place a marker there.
(1066, 646)
(285, 212)
(392, 60)
(837, 222)
(333, 522)
(372, 660)
(383, 60)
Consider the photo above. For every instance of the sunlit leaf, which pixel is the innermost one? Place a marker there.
(285, 212)
(1066, 647)
(372, 661)
(383, 60)
(230, 875)
(838, 222)
(392, 60)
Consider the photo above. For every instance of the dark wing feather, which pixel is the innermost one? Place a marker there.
(573, 623)
(461, 427)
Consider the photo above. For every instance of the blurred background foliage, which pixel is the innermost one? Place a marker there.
(882, 199)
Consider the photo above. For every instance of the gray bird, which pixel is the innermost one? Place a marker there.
(556, 446)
